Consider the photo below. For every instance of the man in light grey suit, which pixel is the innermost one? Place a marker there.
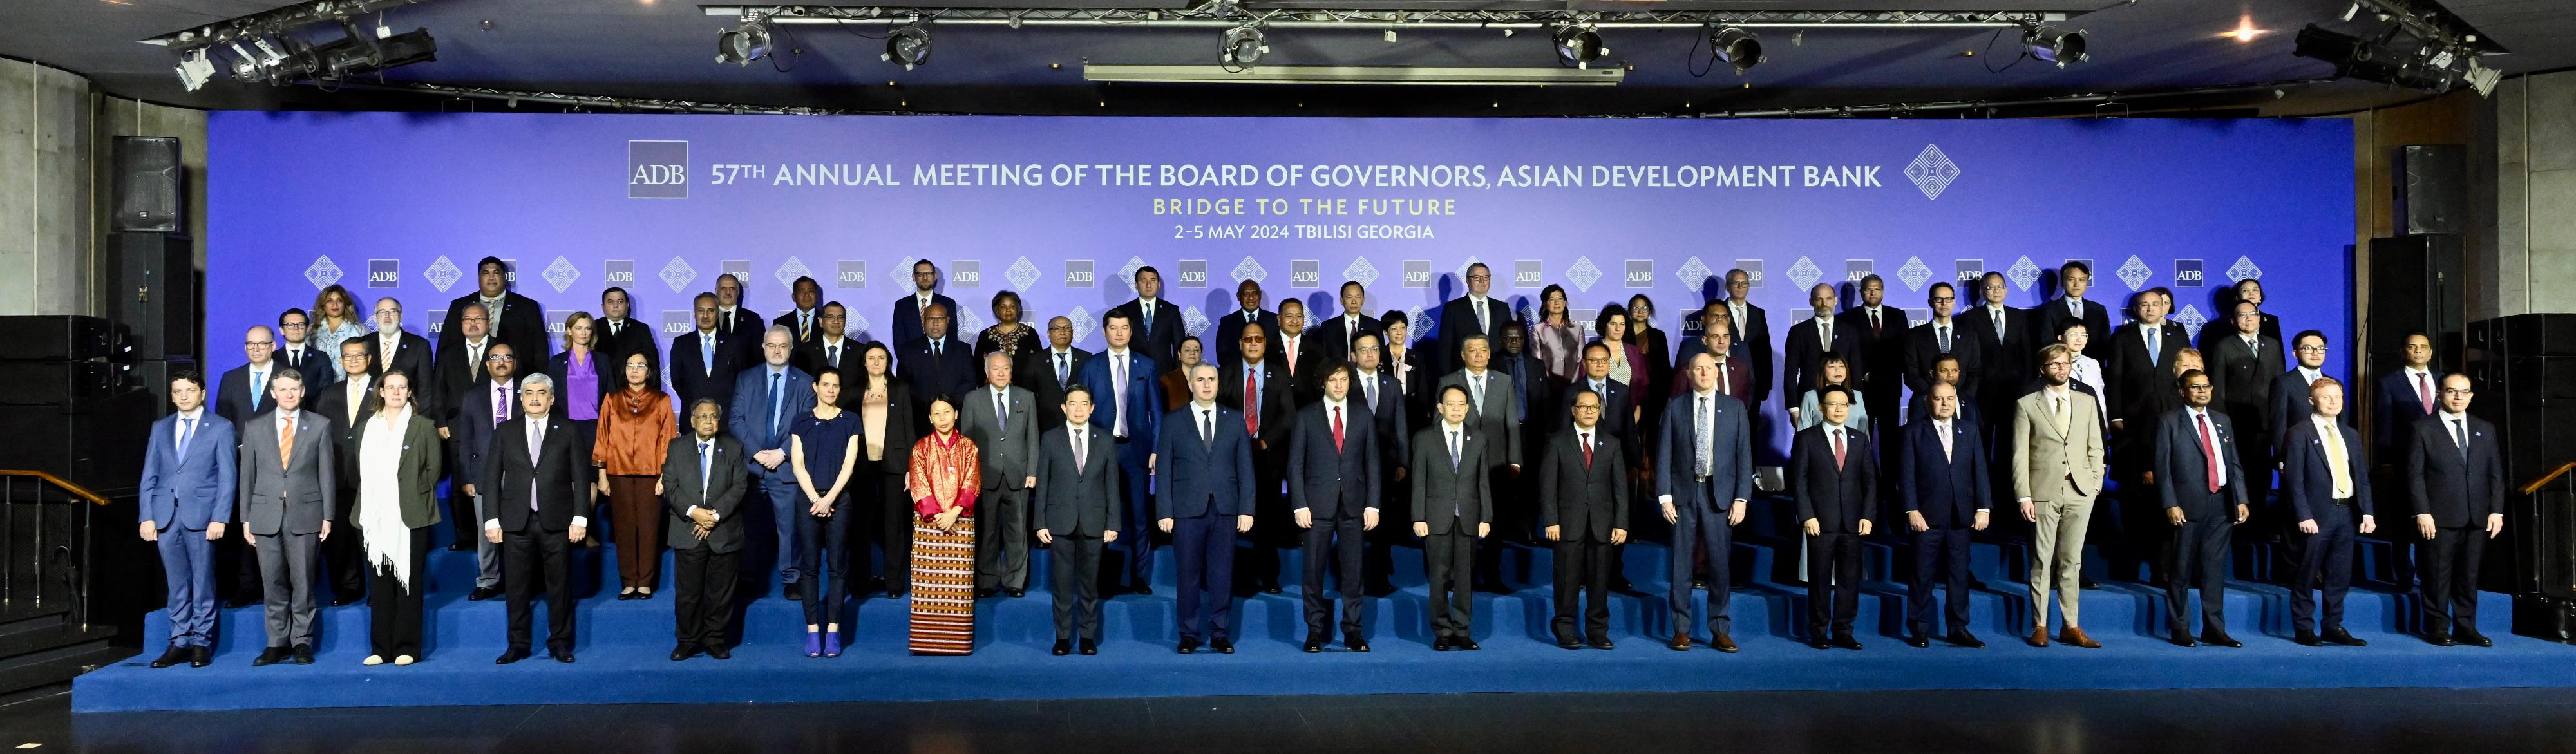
(1493, 414)
(1078, 503)
(1003, 422)
(286, 486)
(2057, 470)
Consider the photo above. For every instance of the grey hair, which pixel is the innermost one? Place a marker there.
(537, 380)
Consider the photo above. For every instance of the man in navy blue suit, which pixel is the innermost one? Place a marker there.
(909, 310)
(769, 397)
(936, 363)
(2405, 396)
(1158, 325)
(1204, 466)
(2456, 473)
(1453, 506)
(703, 362)
(1333, 487)
(1941, 479)
(1129, 391)
(186, 494)
(1833, 474)
(2203, 487)
(1709, 436)
(2326, 484)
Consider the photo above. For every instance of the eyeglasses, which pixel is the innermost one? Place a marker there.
(2312, 349)
(292, 324)
(2460, 391)
(499, 357)
(2196, 387)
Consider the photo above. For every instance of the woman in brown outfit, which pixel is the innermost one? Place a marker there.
(636, 428)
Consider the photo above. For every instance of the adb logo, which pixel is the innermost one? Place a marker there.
(384, 273)
(657, 170)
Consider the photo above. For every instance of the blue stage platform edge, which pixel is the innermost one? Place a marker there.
(624, 646)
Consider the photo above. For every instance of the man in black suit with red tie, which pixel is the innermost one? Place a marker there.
(1298, 353)
(532, 478)
(1618, 413)
(2456, 473)
(2203, 488)
(1583, 507)
(2075, 278)
(1942, 481)
(2404, 397)
(1882, 348)
(1157, 323)
(1333, 486)
(1834, 476)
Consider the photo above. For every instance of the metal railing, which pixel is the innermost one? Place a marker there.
(45, 525)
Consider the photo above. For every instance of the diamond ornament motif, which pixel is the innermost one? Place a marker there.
(443, 274)
(561, 273)
(1914, 274)
(1127, 274)
(2191, 319)
(1193, 319)
(2242, 269)
(1421, 320)
(323, 272)
(1022, 274)
(1692, 273)
(969, 323)
(789, 272)
(1805, 273)
(1583, 274)
(1932, 171)
(678, 274)
(1361, 272)
(1250, 270)
(857, 326)
(1083, 324)
(1471, 261)
(2135, 272)
(2022, 273)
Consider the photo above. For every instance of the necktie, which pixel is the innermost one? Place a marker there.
(1700, 444)
(1251, 402)
(500, 404)
(1337, 429)
(1478, 384)
(2208, 450)
(777, 399)
(1998, 316)
(1292, 355)
(258, 387)
(1118, 390)
(707, 352)
(2460, 434)
(1063, 370)
(536, 456)
(2424, 391)
(1001, 410)
(1081, 451)
(1368, 390)
(291, 361)
(934, 349)
(2335, 467)
(804, 325)
(1453, 450)
(706, 463)
(1874, 324)
(1484, 324)
(285, 438)
(1207, 428)
(1147, 309)
(187, 431)
(832, 356)
(1585, 440)
(473, 361)
(1724, 378)
(2057, 411)
(1838, 449)
(2154, 351)
(1825, 332)
(612, 327)
(1944, 330)
(1943, 429)
(2075, 307)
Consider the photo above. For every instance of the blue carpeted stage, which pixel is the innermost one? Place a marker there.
(624, 646)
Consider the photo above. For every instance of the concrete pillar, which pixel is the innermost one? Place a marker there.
(47, 239)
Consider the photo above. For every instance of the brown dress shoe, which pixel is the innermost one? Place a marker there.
(1680, 643)
(1723, 643)
(2075, 636)
(2039, 636)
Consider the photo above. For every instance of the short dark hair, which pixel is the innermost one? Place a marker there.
(189, 376)
(1116, 314)
(934, 267)
(2306, 334)
(2184, 380)
(1832, 389)
(1346, 286)
(1078, 387)
(1190, 339)
(1140, 273)
(297, 311)
(1601, 321)
(1461, 390)
(493, 261)
(828, 306)
(2073, 265)
(1587, 348)
(803, 280)
(619, 290)
(1927, 293)
(1394, 317)
(1012, 295)
(1865, 280)
(1283, 304)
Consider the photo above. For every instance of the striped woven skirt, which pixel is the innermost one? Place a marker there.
(943, 589)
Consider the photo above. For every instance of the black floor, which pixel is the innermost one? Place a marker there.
(2272, 722)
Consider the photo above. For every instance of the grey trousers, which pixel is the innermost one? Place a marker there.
(288, 565)
(1002, 539)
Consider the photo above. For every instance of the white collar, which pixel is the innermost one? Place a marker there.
(1937, 322)
(1473, 374)
(534, 419)
(1940, 425)
(2416, 371)
(272, 364)
(1703, 395)
(288, 413)
(2324, 423)
(727, 310)
(1204, 408)
(706, 333)
(1118, 352)
(479, 342)
(1340, 404)
(2451, 417)
(1285, 335)
(1445, 425)
(196, 415)
(2197, 412)
(2060, 391)
(1583, 430)
(835, 342)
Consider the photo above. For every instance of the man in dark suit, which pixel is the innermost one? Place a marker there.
(533, 480)
(1533, 391)
(2200, 479)
(1882, 331)
(1938, 337)
(2404, 396)
(1294, 347)
(1229, 328)
(1834, 477)
(739, 326)
(1752, 333)
(1583, 505)
(479, 411)
(703, 487)
(1452, 508)
(1051, 371)
(1333, 485)
(1942, 481)
(1158, 324)
(1203, 467)
(295, 349)
(513, 318)
(1256, 386)
(243, 393)
(908, 311)
(1806, 347)
(1130, 401)
(391, 348)
(1710, 437)
(1618, 422)
(832, 350)
(1945, 371)
(2007, 343)
(1078, 510)
(1002, 421)
(190, 481)
(2326, 484)
(344, 402)
(1383, 396)
(1495, 415)
(1734, 372)
(703, 362)
(2456, 473)
(2074, 279)
(620, 334)
(2244, 364)
(2138, 367)
(459, 367)
(1335, 336)
(288, 469)
(805, 322)
(1471, 315)
(768, 397)
(935, 364)
(2290, 388)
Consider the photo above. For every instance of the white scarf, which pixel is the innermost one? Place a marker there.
(380, 496)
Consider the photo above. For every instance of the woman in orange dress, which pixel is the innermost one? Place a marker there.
(946, 472)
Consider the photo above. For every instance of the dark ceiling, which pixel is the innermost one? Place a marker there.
(665, 48)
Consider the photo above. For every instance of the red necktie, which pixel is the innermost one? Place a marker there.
(1587, 450)
(1838, 450)
(2424, 393)
(1251, 402)
(1337, 429)
(2209, 452)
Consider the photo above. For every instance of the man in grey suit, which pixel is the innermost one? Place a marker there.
(1003, 422)
(703, 484)
(2056, 472)
(1453, 506)
(1710, 435)
(287, 465)
(1077, 497)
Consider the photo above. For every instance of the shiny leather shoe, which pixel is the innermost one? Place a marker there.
(2307, 638)
(2221, 639)
(2088, 583)
(683, 652)
(1599, 642)
(2440, 640)
(200, 656)
(1144, 590)
(1089, 647)
(511, 655)
(1222, 645)
(176, 655)
(1271, 589)
(2337, 635)
(1016, 592)
(1354, 643)
(794, 591)
(1314, 643)
(1962, 638)
(272, 656)
(1680, 643)
(1819, 642)
(1440, 644)
(1464, 643)
(303, 654)
(2182, 639)
(1189, 644)
(2038, 636)
(986, 591)
(720, 652)
(1846, 641)
(344, 601)
(2075, 636)
(1062, 647)
(1918, 641)
(1723, 643)
(1568, 642)
(482, 593)
(561, 654)
(2474, 639)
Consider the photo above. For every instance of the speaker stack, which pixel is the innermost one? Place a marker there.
(2418, 278)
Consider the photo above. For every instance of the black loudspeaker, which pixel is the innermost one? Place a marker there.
(154, 293)
(2429, 185)
(147, 184)
(63, 383)
(2532, 335)
(2417, 284)
(60, 337)
(97, 445)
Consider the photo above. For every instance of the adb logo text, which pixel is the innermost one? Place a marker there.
(657, 170)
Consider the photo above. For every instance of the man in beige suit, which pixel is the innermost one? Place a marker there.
(2057, 473)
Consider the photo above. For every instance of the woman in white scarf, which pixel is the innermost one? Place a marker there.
(398, 457)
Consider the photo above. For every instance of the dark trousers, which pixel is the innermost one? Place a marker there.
(1203, 548)
(2326, 554)
(1449, 558)
(2197, 557)
(702, 584)
(1274, 529)
(1140, 507)
(1582, 565)
(823, 557)
(1077, 585)
(188, 567)
(1940, 557)
(2449, 564)
(461, 517)
(893, 523)
(1336, 540)
(786, 505)
(1002, 538)
(534, 560)
(1700, 527)
(394, 612)
(344, 555)
(1833, 583)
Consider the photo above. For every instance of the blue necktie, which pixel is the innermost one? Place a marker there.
(2152, 342)
(187, 431)
(258, 387)
(705, 463)
(774, 400)
(707, 352)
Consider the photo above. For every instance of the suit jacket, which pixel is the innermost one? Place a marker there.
(1037, 373)
(1805, 356)
(2241, 383)
(474, 437)
(415, 471)
(633, 336)
(1009, 450)
(726, 482)
(1227, 349)
(1458, 322)
(2006, 363)
(1305, 373)
(1334, 337)
(906, 325)
(454, 373)
(742, 329)
(1497, 418)
(193, 487)
(1753, 335)
(292, 497)
(1882, 350)
(1616, 423)
(1441, 488)
(313, 365)
(1327, 480)
(1390, 418)
(1144, 394)
(234, 400)
(2394, 408)
(1730, 450)
(1159, 339)
(953, 371)
(2290, 404)
(812, 358)
(2457, 492)
(2053, 316)
(2307, 481)
(1837, 498)
(412, 357)
(1735, 373)
(1078, 500)
(2049, 465)
(747, 417)
(520, 323)
(1584, 501)
(332, 402)
(811, 333)
(1918, 407)
(1278, 405)
(690, 377)
(559, 480)
(1947, 490)
(1196, 477)
(1923, 346)
(2133, 380)
(2181, 465)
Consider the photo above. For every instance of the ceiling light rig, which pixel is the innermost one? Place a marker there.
(2053, 45)
(908, 46)
(1736, 47)
(742, 44)
(1244, 46)
(1577, 46)
(269, 47)
(2420, 46)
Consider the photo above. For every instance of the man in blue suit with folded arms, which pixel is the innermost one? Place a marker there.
(188, 484)
(1204, 469)
(767, 399)
(1128, 387)
(1703, 476)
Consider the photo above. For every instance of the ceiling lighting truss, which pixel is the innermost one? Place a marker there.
(1227, 15)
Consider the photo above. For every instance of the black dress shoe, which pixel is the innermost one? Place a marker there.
(1918, 641)
(1144, 590)
(1699, 583)
(896, 594)
(1090, 647)
(1568, 642)
(1354, 643)
(513, 654)
(643, 595)
(719, 652)
(482, 593)
(1189, 644)
(683, 652)
(2181, 639)
(1962, 638)
(1222, 645)
(303, 654)
(2440, 640)
(1015, 591)
(2220, 639)
(2307, 638)
(176, 655)
(200, 656)
(1314, 643)
(1846, 641)
(794, 591)
(2339, 636)
(2087, 582)
(2475, 639)
(344, 601)
(1599, 642)
(624, 596)
(272, 656)
(1820, 642)
(561, 654)
(1464, 643)
(986, 591)
(1440, 644)
(1062, 648)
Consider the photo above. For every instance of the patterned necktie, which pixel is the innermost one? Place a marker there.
(1838, 449)
(1001, 412)
(2424, 392)
(1825, 332)
(2208, 450)
(1700, 444)
(285, 438)
(473, 361)
(1585, 439)
(500, 404)
(1943, 429)
(1251, 402)
(1063, 370)
(1118, 390)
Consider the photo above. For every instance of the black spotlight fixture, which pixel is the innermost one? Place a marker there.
(1736, 46)
(2376, 60)
(909, 46)
(742, 44)
(2054, 45)
(1577, 47)
(1244, 46)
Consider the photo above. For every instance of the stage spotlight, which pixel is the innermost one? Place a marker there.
(909, 46)
(357, 51)
(1737, 47)
(742, 44)
(2369, 60)
(2050, 44)
(195, 69)
(1244, 46)
(1577, 47)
